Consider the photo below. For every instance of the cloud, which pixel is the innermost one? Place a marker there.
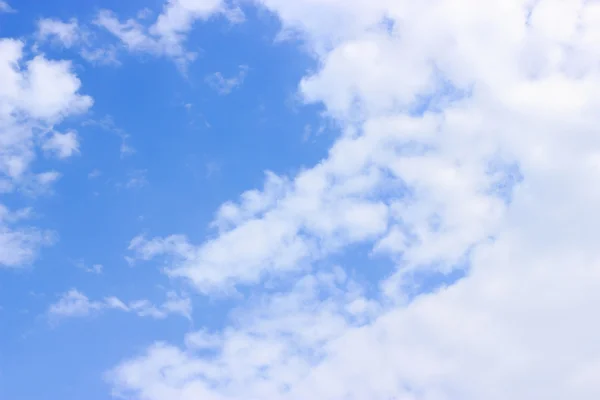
(167, 35)
(63, 145)
(19, 245)
(74, 304)
(101, 56)
(131, 33)
(73, 35)
(106, 123)
(173, 305)
(45, 179)
(5, 7)
(277, 338)
(226, 85)
(136, 179)
(92, 269)
(95, 173)
(438, 103)
(65, 33)
(34, 98)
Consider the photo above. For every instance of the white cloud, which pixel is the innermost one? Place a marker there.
(74, 304)
(109, 125)
(19, 245)
(5, 7)
(95, 173)
(43, 180)
(167, 35)
(115, 303)
(202, 340)
(131, 33)
(226, 85)
(96, 268)
(92, 269)
(277, 340)
(35, 96)
(234, 14)
(70, 34)
(64, 145)
(174, 304)
(144, 13)
(177, 305)
(136, 179)
(65, 33)
(101, 56)
(504, 85)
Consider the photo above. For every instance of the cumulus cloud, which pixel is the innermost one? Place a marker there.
(279, 338)
(35, 96)
(73, 304)
(439, 101)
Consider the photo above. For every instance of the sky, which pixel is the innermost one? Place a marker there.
(308, 199)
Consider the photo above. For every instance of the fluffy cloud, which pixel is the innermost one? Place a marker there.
(35, 96)
(75, 304)
(65, 33)
(63, 145)
(470, 142)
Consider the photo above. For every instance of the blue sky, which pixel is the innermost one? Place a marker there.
(290, 200)
(193, 147)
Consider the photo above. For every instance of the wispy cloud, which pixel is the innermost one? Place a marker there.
(136, 179)
(95, 173)
(65, 33)
(6, 8)
(226, 85)
(74, 304)
(107, 123)
(92, 269)
(166, 36)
